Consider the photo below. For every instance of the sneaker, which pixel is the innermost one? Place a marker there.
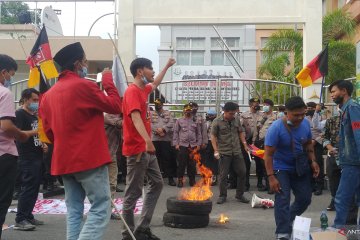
(145, 234)
(221, 200)
(115, 216)
(35, 222)
(243, 199)
(318, 192)
(24, 225)
(331, 206)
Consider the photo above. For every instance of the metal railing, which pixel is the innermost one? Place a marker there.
(212, 93)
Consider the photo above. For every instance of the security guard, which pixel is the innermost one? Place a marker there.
(249, 120)
(162, 124)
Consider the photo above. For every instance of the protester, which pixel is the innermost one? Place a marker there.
(72, 114)
(331, 142)
(139, 148)
(349, 150)
(113, 125)
(226, 133)
(30, 161)
(162, 124)
(288, 155)
(8, 133)
(187, 138)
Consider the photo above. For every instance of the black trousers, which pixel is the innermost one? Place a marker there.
(8, 166)
(167, 161)
(334, 175)
(318, 182)
(210, 161)
(247, 166)
(31, 175)
(184, 160)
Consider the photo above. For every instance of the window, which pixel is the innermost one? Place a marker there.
(183, 57)
(197, 42)
(183, 42)
(191, 51)
(230, 42)
(228, 55)
(197, 58)
(217, 58)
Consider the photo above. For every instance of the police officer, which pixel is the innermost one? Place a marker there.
(210, 160)
(259, 136)
(199, 119)
(162, 125)
(187, 138)
(249, 120)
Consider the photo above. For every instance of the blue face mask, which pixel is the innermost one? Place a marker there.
(266, 108)
(83, 72)
(34, 107)
(281, 114)
(7, 82)
(289, 123)
(145, 81)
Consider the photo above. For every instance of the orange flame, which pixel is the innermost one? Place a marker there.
(202, 189)
(223, 219)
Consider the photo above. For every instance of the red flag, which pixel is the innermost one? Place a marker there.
(40, 57)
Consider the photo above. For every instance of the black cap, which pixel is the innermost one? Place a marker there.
(311, 104)
(69, 54)
(193, 104)
(269, 101)
(251, 100)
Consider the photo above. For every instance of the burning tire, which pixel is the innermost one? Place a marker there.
(186, 207)
(176, 220)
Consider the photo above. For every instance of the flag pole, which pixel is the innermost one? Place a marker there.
(118, 54)
(322, 87)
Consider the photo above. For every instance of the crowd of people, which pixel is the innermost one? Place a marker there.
(96, 134)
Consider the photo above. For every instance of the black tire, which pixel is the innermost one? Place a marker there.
(186, 207)
(175, 220)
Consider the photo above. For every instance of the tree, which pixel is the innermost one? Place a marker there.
(342, 53)
(10, 12)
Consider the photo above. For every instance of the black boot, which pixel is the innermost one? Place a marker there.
(260, 184)
(171, 181)
(180, 183)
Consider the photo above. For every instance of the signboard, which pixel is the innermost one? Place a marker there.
(199, 83)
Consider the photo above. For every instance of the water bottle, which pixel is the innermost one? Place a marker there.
(323, 221)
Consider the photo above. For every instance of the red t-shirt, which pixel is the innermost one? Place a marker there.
(135, 99)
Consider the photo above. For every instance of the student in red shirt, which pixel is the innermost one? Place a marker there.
(139, 149)
(72, 113)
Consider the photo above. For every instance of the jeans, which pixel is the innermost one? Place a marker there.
(31, 174)
(8, 165)
(284, 213)
(136, 171)
(348, 188)
(95, 185)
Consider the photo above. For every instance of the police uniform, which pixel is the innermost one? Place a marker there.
(163, 119)
(249, 121)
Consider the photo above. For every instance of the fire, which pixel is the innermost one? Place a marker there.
(223, 219)
(201, 191)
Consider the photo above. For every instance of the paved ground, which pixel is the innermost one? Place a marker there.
(245, 222)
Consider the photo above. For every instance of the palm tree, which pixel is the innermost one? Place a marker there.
(342, 53)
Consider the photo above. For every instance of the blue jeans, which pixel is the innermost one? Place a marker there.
(348, 188)
(95, 185)
(284, 213)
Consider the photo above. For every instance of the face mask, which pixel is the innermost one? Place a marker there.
(281, 114)
(339, 100)
(83, 72)
(7, 82)
(289, 123)
(157, 108)
(145, 81)
(310, 113)
(34, 107)
(188, 114)
(257, 108)
(266, 108)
